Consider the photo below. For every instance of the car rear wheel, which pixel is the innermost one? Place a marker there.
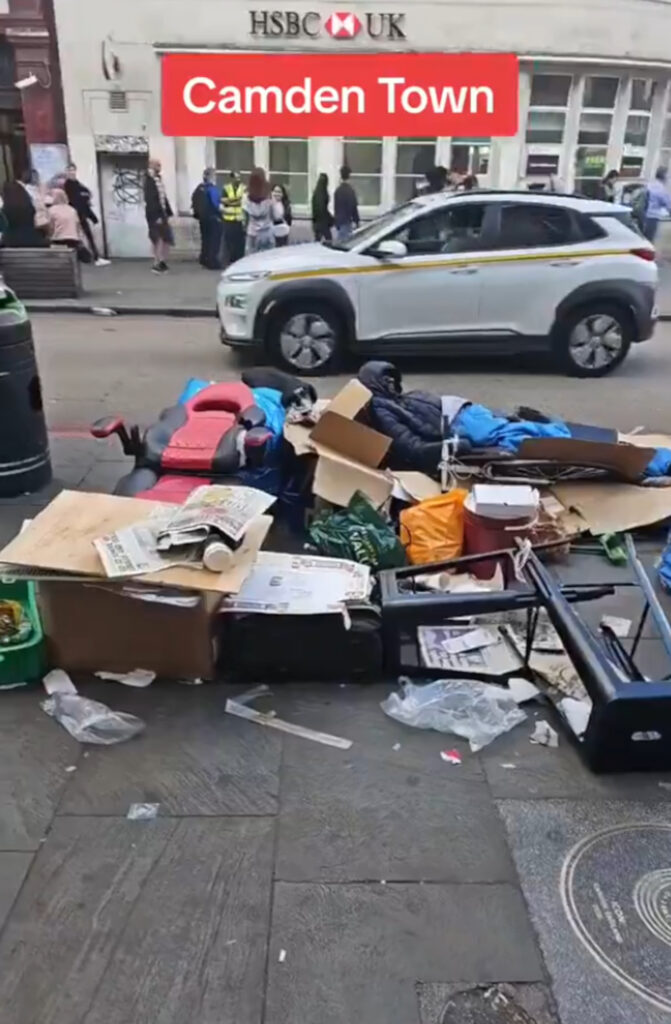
(595, 339)
(307, 338)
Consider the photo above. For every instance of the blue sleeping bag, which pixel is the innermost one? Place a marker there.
(483, 429)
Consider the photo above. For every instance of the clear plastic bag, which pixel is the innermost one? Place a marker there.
(90, 721)
(477, 711)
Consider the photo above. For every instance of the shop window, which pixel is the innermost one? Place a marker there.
(665, 151)
(453, 229)
(526, 226)
(542, 165)
(600, 93)
(642, 94)
(233, 155)
(288, 166)
(364, 158)
(470, 156)
(637, 127)
(414, 157)
(631, 167)
(546, 126)
(550, 90)
(594, 128)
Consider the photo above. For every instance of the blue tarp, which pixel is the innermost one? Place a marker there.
(270, 402)
(660, 465)
(483, 429)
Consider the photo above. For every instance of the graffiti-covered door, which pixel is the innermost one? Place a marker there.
(122, 200)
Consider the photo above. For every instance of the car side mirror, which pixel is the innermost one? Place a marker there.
(389, 249)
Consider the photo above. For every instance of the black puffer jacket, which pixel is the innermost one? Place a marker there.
(412, 420)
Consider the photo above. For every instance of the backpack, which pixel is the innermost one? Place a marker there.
(639, 207)
(199, 201)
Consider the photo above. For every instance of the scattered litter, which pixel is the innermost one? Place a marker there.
(576, 713)
(191, 682)
(383, 881)
(58, 681)
(242, 711)
(619, 626)
(90, 721)
(139, 677)
(103, 311)
(249, 695)
(544, 735)
(283, 955)
(508, 764)
(521, 690)
(477, 711)
(473, 640)
(142, 812)
(71, 768)
(496, 659)
(397, 746)
(231, 942)
(451, 756)
(664, 785)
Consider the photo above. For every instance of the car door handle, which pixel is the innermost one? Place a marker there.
(565, 263)
(464, 270)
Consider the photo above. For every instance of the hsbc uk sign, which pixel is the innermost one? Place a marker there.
(338, 25)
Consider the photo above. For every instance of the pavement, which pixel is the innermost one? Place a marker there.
(285, 881)
(188, 290)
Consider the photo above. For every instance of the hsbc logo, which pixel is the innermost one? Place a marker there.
(343, 26)
(339, 25)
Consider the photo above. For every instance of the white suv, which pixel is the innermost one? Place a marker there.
(463, 273)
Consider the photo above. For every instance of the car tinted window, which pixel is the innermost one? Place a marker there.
(452, 229)
(622, 217)
(588, 229)
(527, 226)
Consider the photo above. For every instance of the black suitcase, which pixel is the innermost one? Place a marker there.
(303, 647)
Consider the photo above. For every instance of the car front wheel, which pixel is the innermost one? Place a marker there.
(595, 339)
(307, 338)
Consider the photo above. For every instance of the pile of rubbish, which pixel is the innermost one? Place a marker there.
(263, 531)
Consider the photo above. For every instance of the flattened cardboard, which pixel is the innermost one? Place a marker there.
(338, 478)
(351, 399)
(335, 433)
(92, 627)
(416, 485)
(615, 508)
(647, 440)
(61, 538)
(628, 461)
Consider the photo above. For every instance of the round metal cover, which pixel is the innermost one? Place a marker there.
(616, 891)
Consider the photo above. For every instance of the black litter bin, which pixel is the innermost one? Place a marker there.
(24, 448)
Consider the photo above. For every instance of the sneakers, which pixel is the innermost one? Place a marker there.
(100, 262)
(163, 266)
(160, 267)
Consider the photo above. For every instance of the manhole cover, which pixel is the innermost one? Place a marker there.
(616, 891)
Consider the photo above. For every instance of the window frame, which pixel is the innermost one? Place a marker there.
(555, 150)
(500, 207)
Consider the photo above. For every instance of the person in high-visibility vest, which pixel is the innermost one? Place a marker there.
(233, 194)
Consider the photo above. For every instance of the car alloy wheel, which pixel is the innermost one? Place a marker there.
(596, 341)
(307, 341)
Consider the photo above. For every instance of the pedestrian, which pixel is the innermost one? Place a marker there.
(469, 183)
(653, 204)
(234, 229)
(79, 197)
(158, 212)
(322, 220)
(260, 211)
(205, 204)
(283, 215)
(609, 187)
(19, 212)
(345, 206)
(437, 179)
(65, 226)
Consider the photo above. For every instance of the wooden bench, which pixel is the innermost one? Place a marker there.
(42, 273)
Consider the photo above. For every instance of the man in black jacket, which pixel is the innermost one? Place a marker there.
(345, 206)
(79, 197)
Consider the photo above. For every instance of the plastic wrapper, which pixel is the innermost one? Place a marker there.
(358, 533)
(90, 721)
(479, 712)
(433, 530)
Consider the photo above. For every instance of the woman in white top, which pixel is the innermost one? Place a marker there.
(261, 211)
(282, 225)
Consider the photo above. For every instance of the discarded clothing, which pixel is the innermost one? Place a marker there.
(270, 402)
(660, 464)
(483, 429)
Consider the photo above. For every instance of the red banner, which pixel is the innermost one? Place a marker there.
(355, 95)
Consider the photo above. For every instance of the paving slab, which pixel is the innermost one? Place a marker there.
(192, 759)
(356, 952)
(352, 818)
(596, 879)
(158, 921)
(485, 1004)
(13, 869)
(34, 755)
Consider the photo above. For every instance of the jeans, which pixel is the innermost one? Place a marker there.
(343, 231)
(650, 228)
(210, 243)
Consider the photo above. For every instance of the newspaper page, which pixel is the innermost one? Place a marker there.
(282, 584)
(495, 659)
(133, 552)
(229, 509)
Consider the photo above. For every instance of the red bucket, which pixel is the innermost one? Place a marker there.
(483, 534)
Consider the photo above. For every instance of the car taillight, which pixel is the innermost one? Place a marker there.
(644, 254)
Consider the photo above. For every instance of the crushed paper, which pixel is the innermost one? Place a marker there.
(142, 812)
(282, 957)
(473, 640)
(138, 678)
(272, 722)
(576, 713)
(544, 735)
(498, 659)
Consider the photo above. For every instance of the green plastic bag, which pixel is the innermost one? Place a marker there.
(358, 533)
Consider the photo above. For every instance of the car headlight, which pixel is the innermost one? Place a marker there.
(235, 301)
(250, 275)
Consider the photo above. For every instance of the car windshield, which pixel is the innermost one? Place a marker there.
(370, 230)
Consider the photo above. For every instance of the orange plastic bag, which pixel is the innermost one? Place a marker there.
(433, 530)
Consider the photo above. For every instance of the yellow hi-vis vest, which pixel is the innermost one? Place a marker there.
(233, 212)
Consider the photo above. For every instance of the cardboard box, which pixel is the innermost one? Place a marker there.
(349, 454)
(505, 501)
(92, 627)
(625, 460)
(60, 539)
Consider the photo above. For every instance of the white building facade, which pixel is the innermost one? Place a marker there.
(594, 95)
